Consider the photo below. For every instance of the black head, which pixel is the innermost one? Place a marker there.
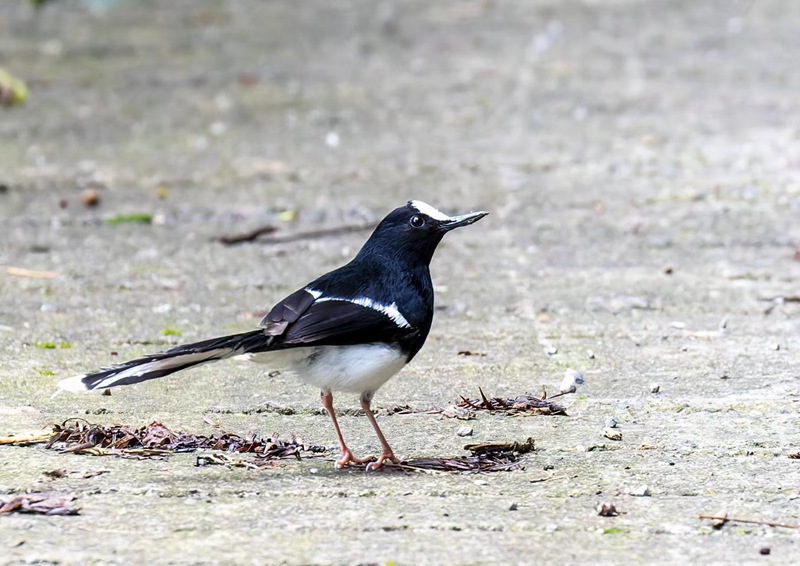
(412, 232)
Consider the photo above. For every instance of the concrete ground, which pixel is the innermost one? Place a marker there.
(641, 162)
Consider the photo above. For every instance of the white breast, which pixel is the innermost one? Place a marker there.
(353, 369)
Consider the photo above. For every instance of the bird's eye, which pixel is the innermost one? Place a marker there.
(417, 221)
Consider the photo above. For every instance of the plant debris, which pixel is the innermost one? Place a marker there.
(26, 438)
(795, 456)
(135, 218)
(524, 405)
(41, 503)
(607, 510)
(486, 457)
(81, 437)
(255, 234)
(63, 473)
(719, 521)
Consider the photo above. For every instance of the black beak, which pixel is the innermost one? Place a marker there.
(462, 220)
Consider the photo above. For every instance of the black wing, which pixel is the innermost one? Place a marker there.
(300, 320)
(286, 312)
(337, 322)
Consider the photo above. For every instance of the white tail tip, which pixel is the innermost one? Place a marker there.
(72, 384)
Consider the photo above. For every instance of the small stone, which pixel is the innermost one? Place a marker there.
(481, 482)
(332, 139)
(655, 387)
(641, 491)
(90, 198)
(764, 550)
(611, 422)
(464, 431)
(607, 510)
(551, 350)
(512, 507)
(572, 379)
(314, 470)
(590, 354)
(612, 434)
(776, 347)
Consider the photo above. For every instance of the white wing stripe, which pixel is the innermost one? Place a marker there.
(389, 310)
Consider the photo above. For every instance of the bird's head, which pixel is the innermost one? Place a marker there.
(412, 232)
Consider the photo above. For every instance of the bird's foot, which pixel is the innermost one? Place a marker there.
(348, 458)
(377, 464)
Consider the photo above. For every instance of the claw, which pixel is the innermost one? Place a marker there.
(378, 464)
(348, 458)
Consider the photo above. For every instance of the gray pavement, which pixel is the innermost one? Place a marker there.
(641, 162)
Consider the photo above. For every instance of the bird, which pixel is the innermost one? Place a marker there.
(348, 331)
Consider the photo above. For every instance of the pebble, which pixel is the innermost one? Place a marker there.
(512, 507)
(481, 482)
(641, 491)
(607, 510)
(611, 422)
(90, 198)
(464, 431)
(655, 387)
(612, 434)
(572, 379)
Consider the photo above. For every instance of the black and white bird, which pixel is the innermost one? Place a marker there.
(348, 331)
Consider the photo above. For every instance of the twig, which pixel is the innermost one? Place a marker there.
(309, 235)
(247, 236)
(31, 273)
(725, 519)
(25, 439)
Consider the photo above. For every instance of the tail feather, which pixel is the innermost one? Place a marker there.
(168, 362)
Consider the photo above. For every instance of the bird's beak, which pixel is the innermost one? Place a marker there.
(462, 220)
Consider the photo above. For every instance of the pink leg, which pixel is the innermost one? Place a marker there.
(386, 450)
(347, 456)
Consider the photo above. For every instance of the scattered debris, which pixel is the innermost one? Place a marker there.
(719, 521)
(30, 273)
(795, 456)
(12, 90)
(298, 236)
(63, 473)
(612, 434)
(90, 198)
(607, 510)
(26, 438)
(225, 460)
(525, 404)
(501, 448)
(486, 457)
(136, 218)
(81, 437)
(456, 412)
(641, 491)
(464, 431)
(469, 353)
(41, 503)
(572, 379)
(247, 236)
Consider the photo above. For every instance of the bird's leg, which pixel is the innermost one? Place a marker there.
(386, 450)
(347, 456)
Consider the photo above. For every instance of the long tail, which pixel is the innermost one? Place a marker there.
(165, 363)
